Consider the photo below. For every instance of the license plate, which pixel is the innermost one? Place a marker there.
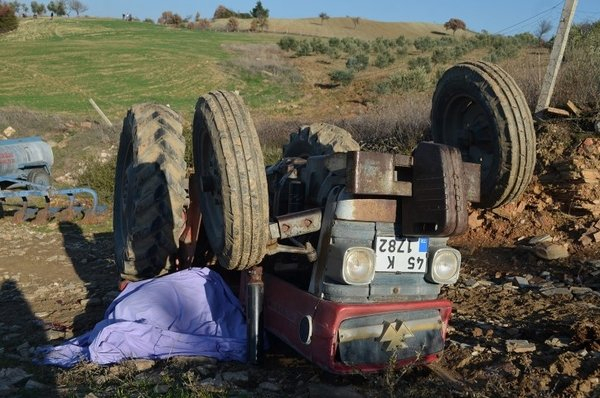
(401, 255)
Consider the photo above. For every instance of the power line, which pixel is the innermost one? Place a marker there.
(533, 23)
(530, 18)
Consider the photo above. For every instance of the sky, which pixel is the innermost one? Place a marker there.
(495, 16)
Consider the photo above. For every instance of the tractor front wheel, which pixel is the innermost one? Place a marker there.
(229, 164)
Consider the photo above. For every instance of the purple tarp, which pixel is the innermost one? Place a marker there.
(191, 312)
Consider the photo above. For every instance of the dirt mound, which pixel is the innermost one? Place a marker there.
(563, 200)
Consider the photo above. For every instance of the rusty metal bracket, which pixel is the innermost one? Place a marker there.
(296, 224)
(371, 173)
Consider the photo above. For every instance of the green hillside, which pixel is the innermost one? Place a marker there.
(57, 65)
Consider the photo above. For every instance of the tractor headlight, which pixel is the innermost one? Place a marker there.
(444, 266)
(358, 267)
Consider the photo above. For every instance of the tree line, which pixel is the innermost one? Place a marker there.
(56, 7)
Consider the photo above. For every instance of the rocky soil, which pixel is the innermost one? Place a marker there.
(526, 319)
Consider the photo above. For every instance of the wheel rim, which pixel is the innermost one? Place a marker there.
(468, 128)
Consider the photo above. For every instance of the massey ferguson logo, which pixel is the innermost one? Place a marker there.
(393, 335)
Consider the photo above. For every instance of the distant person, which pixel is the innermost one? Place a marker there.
(52, 15)
(123, 17)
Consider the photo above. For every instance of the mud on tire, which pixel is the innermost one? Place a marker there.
(149, 192)
(229, 163)
(478, 108)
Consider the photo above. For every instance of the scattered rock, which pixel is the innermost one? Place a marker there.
(556, 342)
(550, 251)
(54, 335)
(12, 376)
(520, 281)
(235, 377)
(268, 386)
(471, 282)
(9, 131)
(557, 291)
(319, 390)
(142, 365)
(519, 346)
(161, 389)
(540, 239)
(35, 385)
(580, 291)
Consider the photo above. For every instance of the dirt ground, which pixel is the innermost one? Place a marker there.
(523, 324)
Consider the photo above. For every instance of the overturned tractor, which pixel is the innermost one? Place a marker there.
(342, 253)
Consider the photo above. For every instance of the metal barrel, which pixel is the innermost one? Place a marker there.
(18, 156)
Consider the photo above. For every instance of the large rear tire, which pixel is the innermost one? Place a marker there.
(228, 161)
(478, 108)
(149, 192)
(319, 139)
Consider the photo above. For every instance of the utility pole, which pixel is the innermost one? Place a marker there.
(558, 50)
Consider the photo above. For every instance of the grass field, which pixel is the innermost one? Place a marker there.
(56, 66)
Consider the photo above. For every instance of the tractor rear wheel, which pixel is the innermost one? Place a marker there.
(319, 139)
(229, 163)
(478, 108)
(149, 192)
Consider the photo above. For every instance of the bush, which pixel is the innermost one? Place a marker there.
(401, 41)
(501, 51)
(381, 45)
(342, 76)
(318, 46)
(349, 46)
(200, 24)
(259, 24)
(334, 42)
(393, 124)
(149, 20)
(384, 59)
(405, 81)
(168, 18)
(100, 177)
(233, 25)
(579, 78)
(288, 43)
(364, 45)
(358, 62)
(333, 52)
(420, 63)
(8, 19)
(445, 42)
(424, 43)
(304, 48)
(441, 56)
(461, 49)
